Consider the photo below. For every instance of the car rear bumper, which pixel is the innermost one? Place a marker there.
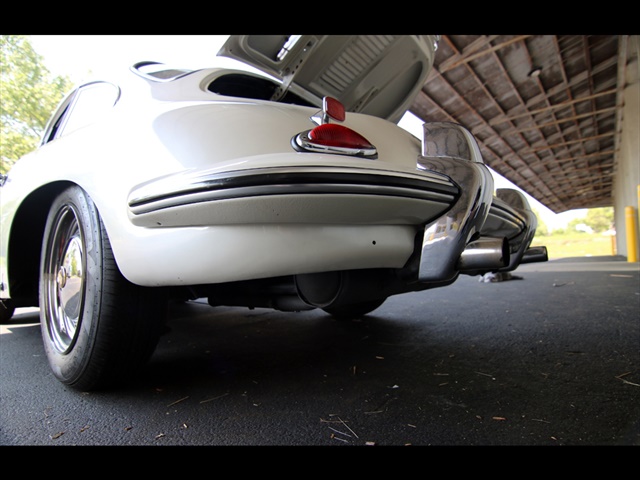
(436, 222)
(511, 216)
(449, 239)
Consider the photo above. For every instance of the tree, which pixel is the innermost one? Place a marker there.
(28, 97)
(600, 219)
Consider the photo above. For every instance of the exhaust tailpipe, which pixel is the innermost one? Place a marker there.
(484, 255)
(535, 254)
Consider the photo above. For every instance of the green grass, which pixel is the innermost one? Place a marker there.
(576, 244)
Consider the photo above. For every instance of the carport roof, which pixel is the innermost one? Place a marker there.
(546, 109)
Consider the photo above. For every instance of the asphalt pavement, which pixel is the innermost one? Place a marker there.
(550, 358)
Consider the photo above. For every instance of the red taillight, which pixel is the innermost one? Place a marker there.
(333, 108)
(333, 135)
(333, 138)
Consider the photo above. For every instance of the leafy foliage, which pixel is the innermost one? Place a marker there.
(29, 96)
(600, 219)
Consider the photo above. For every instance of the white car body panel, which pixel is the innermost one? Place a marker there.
(190, 139)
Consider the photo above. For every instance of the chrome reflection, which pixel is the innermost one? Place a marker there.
(520, 244)
(64, 279)
(451, 150)
(484, 254)
(535, 254)
(449, 140)
(70, 279)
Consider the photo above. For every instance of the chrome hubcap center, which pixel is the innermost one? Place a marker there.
(62, 277)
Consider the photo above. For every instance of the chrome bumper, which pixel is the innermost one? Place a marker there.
(446, 239)
(513, 208)
(451, 150)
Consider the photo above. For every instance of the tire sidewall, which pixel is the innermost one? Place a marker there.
(70, 366)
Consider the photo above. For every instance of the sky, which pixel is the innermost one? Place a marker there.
(81, 57)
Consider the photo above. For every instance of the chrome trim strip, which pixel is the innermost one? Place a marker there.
(324, 189)
(188, 188)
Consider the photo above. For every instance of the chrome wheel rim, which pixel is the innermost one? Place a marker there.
(64, 279)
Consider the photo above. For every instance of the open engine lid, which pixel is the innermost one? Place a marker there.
(374, 74)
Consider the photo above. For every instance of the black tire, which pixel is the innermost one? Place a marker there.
(97, 327)
(354, 310)
(7, 308)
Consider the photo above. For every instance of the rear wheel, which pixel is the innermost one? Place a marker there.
(97, 327)
(354, 310)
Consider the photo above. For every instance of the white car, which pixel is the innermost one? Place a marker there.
(293, 189)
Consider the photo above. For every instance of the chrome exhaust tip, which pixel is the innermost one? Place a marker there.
(535, 254)
(484, 255)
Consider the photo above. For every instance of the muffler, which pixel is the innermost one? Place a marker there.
(319, 289)
(484, 255)
(331, 289)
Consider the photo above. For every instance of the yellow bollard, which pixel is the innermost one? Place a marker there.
(632, 237)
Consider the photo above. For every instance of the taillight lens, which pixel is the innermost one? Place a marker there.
(333, 138)
(333, 135)
(333, 108)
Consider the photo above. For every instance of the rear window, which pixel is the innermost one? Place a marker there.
(85, 105)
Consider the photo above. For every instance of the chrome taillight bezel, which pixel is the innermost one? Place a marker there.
(302, 143)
